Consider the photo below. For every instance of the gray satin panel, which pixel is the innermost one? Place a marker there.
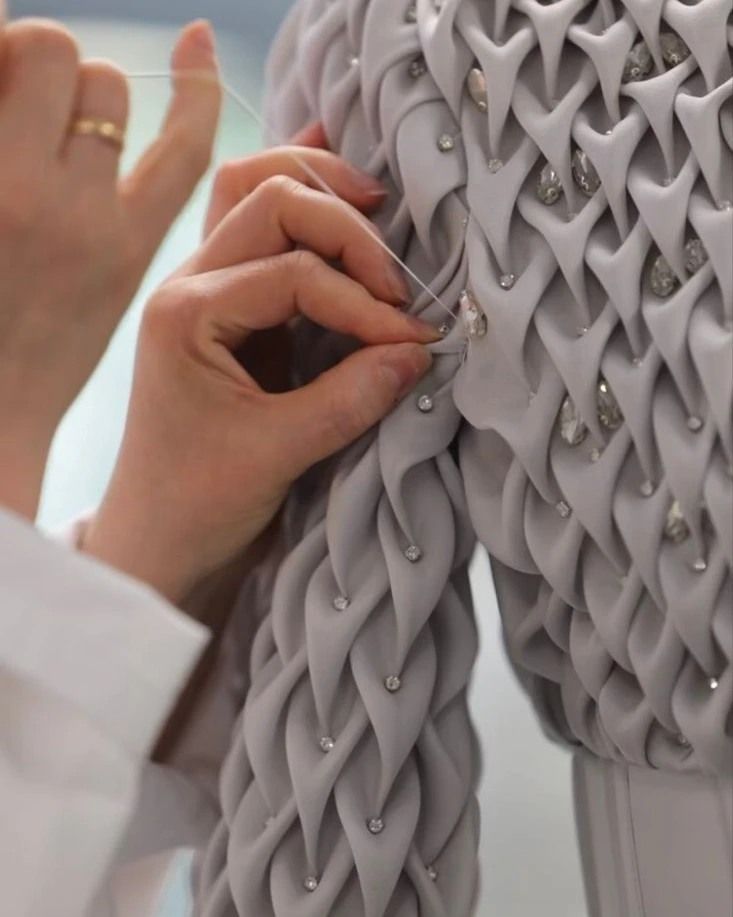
(611, 537)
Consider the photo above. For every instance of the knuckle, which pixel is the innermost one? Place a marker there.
(46, 39)
(278, 187)
(108, 84)
(306, 264)
(175, 309)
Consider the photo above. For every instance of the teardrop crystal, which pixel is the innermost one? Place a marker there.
(549, 187)
(584, 173)
(662, 279)
(609, 411)
(638, 64)
(675, 527)
(674, 50)
(572, 428)
(474, 320)
(695, 255)
(476, 83)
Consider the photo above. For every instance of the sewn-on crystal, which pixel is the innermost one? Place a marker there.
(609, 412)
(695, 255)
(413, 553)
(713, 683)
(549, 187)
(353, 60)
(432, 873)
(507, 281)
(646, 489)
(444, 329)
(674, 50)
(446, 143)
(341, 603)
(417, 68)
(310, 883)
(393, 683)
(476, 83)
(584, 173)
(683, 741)
(595, 455)
(474, 320)
(425, 404)
(375, 825)
(572, 428)
(495, 164)
(700, 565)
(662, 278)
(694, 424)
(563, 508)
(327, 743)
(638, 64)
(675, 527)
(411, 13)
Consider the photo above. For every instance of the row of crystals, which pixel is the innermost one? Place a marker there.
(375, 825)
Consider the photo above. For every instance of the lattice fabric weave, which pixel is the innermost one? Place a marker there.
(570, 165)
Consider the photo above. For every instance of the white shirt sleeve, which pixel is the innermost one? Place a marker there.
(91, 663)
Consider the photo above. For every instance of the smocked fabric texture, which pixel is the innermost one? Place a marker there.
(568, 164)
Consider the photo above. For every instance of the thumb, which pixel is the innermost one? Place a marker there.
(343, 403)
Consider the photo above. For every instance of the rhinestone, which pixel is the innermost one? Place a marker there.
(474, 320)
(695, 255)
(646, 489)
(662, 278)
(667, 181)
(417, 68)
(713, 683)
(411, 13)
(700, 565)
(637, 361)
(563, 508)
(609, 412)
(446, 143)
(595, 455)
(507, 281)
(413, 553)
(683, 741)
(582, 330)
(675, 528)
(425, 404)
(393, 683)
(584, 173)
(444, 329)
(341, 603)
(495, 165)
(375, 825)
(572, 428)
(432, 873)
(549, 187)
(638, 63)
(327, 743)
(310, 883)
(725, 205)
(476, 83)
(354, 60)
(674, 50)
(694, 424)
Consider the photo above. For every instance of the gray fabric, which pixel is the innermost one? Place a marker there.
(623, 645)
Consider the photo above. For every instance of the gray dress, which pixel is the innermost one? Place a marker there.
(561, 179)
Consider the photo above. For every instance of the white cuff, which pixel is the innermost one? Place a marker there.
(102, 641)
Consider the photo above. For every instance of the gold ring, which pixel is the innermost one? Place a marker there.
(97, 127)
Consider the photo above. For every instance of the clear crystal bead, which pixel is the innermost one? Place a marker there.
(327, 743)
(609, 411)
(695, 255)
(507, 281)
(375, 825)
(446, 143)
(638, 64)
(725, 205)
(432, 873)
(674, 50)
(341, 603)
(474, 320)
(417, 68)
(425, 404)
(646, 489)
(393, 683)
(563, 508)
(353, 60)
(476, 83)
(310, 883)
(549, 187)
(595, 455)
(713, 683)
(584, 173)
(683, 741)
(637, 362)
(413, 553)
(700, 565)
(572, 428)
(411, 13)
(694, 424)
(662, 278)
(675, 527)
(444, 329)
(495, 164)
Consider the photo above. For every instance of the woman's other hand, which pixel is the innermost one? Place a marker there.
(208, 455)
(75, 240)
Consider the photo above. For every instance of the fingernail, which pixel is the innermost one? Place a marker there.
(404, 365)
(368, 183)
(397, 283)
(203, 36)
(424, 330)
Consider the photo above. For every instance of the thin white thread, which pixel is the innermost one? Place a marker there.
(246, 106)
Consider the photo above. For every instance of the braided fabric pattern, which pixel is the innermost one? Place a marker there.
(569, 164)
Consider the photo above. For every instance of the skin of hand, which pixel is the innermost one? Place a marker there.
(208, 454)
(75, 238)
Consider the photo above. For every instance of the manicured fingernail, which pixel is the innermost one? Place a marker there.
(397, 283)
(404, 365)
(424, 331)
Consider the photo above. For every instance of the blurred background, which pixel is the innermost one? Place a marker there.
(529, 857)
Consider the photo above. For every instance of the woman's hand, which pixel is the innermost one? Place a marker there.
(208, 455)
(75, 241)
